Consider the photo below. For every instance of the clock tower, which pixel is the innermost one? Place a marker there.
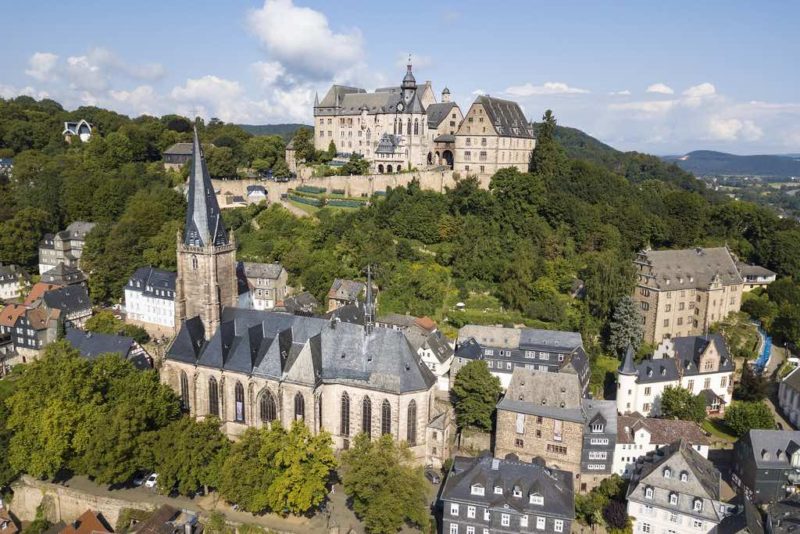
(409, 86)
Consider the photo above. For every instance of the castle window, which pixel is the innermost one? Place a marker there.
(411, 425)
(239, 397)
(345, 415)
(299, 407)
(408, 127)
(184, 392)
(213, 397)
(366, 416)
(194, 263)
(268, 408)
(416, 126)
(386, 418)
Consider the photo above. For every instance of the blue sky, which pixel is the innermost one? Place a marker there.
(663, 77)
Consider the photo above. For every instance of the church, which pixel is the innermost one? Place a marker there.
(254, 368)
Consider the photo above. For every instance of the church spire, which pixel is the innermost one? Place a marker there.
(204, 225)
(316, 99)
(369, 306)
(627, 367)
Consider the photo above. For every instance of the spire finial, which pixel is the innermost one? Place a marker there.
(409, 61)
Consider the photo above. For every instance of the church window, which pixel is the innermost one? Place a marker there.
(345, 415)
(239, 397)
(213, 397)
(411, 426)
(299, 407)
(416, 126)
(194, 263)
(184, 391)
(386, 418)
(408, 127)
(269, 410)
(366, 416)
(399, 126)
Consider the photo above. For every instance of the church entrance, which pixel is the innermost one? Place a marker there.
(448, 158)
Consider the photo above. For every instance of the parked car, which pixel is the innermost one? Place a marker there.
(431, 475)
(152, 480)
(139, 478)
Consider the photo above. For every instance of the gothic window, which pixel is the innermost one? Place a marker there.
(184, 391)
(299, 407)
(366, 416)
(411, 425)
(269, 410)
(408, 127)
(416, 126)
(345, 415)
(194, 263)
(400, 126)
(239, 393)
(386, 418)
(213, 397)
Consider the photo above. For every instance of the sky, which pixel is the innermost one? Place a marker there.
(657, 77)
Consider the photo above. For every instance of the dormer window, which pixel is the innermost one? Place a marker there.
(698, 505)
(684, 476)
(536, 499)
(498, 490)
(673, 499)
(648, 493)
(597, 428)
(667, 473)
(477, 489)
(517, 492)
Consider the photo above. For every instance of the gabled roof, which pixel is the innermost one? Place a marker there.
(63, 275)
(38, 290)
(40, 317)
(348, 290)
(387, 144)
(556, 395)
(88, 523)
(662, 431)
(773, 449)
(68, 299)
(179, 149)
(691, 268)
(506, 116)
(438, 112)
(150, 279)
(261, 270)
(10, 313)
(93, 344)
(204, 226)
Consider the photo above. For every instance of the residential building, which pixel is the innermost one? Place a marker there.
(177, 155)
(489, 495)
(169, 520)
(783, 517)
(755, 276)
(301, 304)
(256, 194)
(505, 349)
(684, 292)
(80, 129)
(206, 253)
(766, 466)
(73, 303)
(12, 281)
(676, 490)
(37, 292)
(394, 128)
(64, 275)
(543, 415)
(64, 247)
(440, 438)
(638, 435)
(266, 284)
(426, 339)
(8, 319)
(150, 300)
(35, 329)
(746, 520)
(701, 364)
(789, 397)
(92, 345)
(494, 134)
(89, 522)
(344, 292)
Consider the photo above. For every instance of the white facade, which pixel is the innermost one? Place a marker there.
(651, 519)
(789, 397)
(626, 454)
(646, 398)
(151, 309)
(9, 289)
(440, 369)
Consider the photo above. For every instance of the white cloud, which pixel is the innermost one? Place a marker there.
(268, 72)
(9, 91)
(301, 39)
(660, 88)
(141, 100)
(41, 66)
(624, 92)
(417, 60)
(648, 107)
(478, 92)
(734, 129)
(696, 91)
(548, 88)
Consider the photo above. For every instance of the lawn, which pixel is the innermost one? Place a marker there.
(602, 379)
(718, 429)
(312, 210)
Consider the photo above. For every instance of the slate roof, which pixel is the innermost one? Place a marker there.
(349, 313)
(304, 349)
(387, 144)
(150, 279)
(773, 449)
(10, 273)
(63, 275)
(445, 138)
(688, 350)
(180, 149)
(627, 367)
(439, 112)
(68, 299)
(522, 338)
(254, 189)
(554, 485)
(204, 226)
(79, 229)
(93, 344)
(439, 345)
(704, 480)
(261, 270)
(662, 431)
(344, 100)
(784, 516)
(301, 303)
(490, 336)
(506, 117)
(38, 290)
(554, 395)
(745, 269)
(691, 268)
(347, 290)
(601, 410)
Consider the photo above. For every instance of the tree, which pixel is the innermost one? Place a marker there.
(679, 403)
(625, 327)
(752, 386)
(608, 278)
(742, 417)
(615, 515)
(475, 391)
(304, 145)
(356, 165)
(188, 455)
(105, 322)
(221, 162)
(387, 489)
(244, 479)
(547, 158)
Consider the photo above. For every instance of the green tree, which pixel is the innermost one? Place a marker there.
(679, 403)
(356, 165)
(608, 278)
(106, 323)
(625, 327)
(475, 392)
(387, 489)
(547, 158)
(752, 386)
(741, 417)
(304, 145)
(244, 479)
(221, 162)
(20, 236)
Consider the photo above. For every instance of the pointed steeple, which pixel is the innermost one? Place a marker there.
(204, 225)
(369, 306)
(627, 367)
(316, 99)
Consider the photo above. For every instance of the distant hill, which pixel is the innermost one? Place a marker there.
(580, 145)
(284, 130)
(709, 162)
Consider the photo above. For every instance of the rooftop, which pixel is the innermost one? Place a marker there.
(691, 268)
(662, 431)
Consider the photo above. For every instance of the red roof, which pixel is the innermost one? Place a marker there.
(426, 323)
(10, 314)
(38, 291)
(88, 523)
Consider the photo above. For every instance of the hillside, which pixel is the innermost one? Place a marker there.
(709, 162)
(284, 130)
(580, 145)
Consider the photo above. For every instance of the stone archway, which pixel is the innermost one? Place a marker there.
(389, 169)
(448, 158)
(380, 168)
(438, 158)
(430, 158)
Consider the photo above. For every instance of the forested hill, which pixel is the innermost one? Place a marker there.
(580, 145)
(709, 162)
(284, 130)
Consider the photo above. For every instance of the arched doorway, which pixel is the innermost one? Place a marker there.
(438, 158)
(448, 158)
(430, 158)
(389, 169)
(380, 168)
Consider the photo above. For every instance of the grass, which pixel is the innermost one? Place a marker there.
(311, 210)
(718, 429)
(601, 367)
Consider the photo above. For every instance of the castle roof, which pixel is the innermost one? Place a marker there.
(506, 116)
(204, 225)
(438, 112)
(691, 268)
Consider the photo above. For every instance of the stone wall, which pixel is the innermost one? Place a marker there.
(62, 503)
(535, 439)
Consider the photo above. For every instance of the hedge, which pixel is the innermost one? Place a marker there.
(342, 203)
(306, 200)
(312, 189)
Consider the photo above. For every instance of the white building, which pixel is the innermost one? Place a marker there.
(675, 491)
(638, 435)
(700, 364)
(11, 281)
(81, 129)
(262, 285)
(256, 193)
(64, 247)
(789, 397)
(150, 300)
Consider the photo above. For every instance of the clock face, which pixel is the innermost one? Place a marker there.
(400, 106)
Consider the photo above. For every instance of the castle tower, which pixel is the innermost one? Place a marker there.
(409, 85)
(626, 384)
(206, 254)
(445, 95)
